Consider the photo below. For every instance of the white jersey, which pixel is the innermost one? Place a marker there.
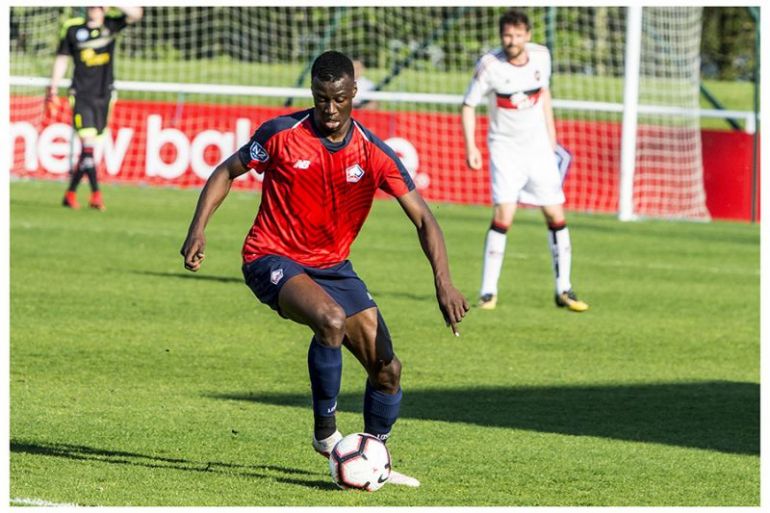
(515, 111)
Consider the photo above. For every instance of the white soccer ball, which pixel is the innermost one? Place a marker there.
(360, 461)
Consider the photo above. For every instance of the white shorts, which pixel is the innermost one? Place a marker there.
(528, 175)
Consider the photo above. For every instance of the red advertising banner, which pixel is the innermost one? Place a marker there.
(178, 144)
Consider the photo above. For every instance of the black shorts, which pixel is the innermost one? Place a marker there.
(90, 114)
(266, 276)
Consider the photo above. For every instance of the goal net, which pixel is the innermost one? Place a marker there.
(195, 82)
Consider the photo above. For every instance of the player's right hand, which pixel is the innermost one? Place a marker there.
(193, 251)
(473, 158)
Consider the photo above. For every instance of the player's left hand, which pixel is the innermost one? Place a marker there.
(453, 306)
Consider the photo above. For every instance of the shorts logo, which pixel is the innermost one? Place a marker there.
(257, 152)
(276, 276)
(81, 34)
(354, 173)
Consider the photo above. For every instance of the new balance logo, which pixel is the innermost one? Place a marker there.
(302, 164)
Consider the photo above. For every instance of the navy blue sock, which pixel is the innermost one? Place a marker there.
(380, 411)
(325, 367)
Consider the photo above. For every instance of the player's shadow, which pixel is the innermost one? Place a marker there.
(85, 453)
(186, 275)
(717, 415)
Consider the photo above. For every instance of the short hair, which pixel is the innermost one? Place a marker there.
(331, 66)
(514, 17)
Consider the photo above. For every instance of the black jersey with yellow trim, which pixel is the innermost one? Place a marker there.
(93, 52)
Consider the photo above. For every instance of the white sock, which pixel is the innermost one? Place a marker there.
(494, 251)
(561, 254)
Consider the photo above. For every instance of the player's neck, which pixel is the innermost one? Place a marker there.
(338, 135)
(521, 59)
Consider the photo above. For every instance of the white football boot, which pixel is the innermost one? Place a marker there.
(326, 446)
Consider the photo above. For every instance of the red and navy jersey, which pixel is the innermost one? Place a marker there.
(316, 194)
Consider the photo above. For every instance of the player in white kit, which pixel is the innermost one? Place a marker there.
(522, 145)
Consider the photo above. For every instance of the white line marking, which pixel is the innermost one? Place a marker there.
(24, 501)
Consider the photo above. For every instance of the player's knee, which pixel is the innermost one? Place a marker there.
(331, 328)
(388, 377)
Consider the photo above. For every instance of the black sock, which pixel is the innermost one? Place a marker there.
(77, 175)
(91, 171)
(324, 426)
(87, 165)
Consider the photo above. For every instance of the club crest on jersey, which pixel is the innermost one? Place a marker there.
(276, 276)
(257, 152)
(81, 34)
(354, 173)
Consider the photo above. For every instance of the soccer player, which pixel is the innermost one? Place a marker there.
(522, 141)
(321, 171)
(90, 43)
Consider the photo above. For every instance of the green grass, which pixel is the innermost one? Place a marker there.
(134, 382)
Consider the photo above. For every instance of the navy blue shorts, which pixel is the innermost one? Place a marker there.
(266, 276)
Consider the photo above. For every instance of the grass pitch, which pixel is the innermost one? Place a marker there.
(135, 383)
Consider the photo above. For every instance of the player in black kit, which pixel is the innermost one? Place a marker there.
(90, 43)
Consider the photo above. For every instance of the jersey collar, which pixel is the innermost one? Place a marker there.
(332, 147)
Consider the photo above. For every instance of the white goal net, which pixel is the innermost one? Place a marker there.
(194, 82)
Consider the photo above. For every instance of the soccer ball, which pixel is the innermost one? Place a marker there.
(360, 461)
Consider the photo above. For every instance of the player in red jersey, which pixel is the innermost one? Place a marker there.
(321, 171)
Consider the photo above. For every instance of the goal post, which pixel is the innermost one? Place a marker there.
(631, 112)
(194, 82)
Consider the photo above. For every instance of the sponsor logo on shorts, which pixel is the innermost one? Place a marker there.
(354, 173)
(257, 152)
(276, 276)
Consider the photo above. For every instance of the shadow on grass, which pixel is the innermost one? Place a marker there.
(84, 453)
(187, 275)
(716, 415)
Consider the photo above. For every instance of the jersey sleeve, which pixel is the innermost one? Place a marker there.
(116, 22)
(394, 177)
(65, 43)
(254, 154)
(479, 86)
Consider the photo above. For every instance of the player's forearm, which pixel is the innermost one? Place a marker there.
(468, 117)
(213, 194)
(133, 14)
(59, 69)
(434, 247)
(549, 119)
